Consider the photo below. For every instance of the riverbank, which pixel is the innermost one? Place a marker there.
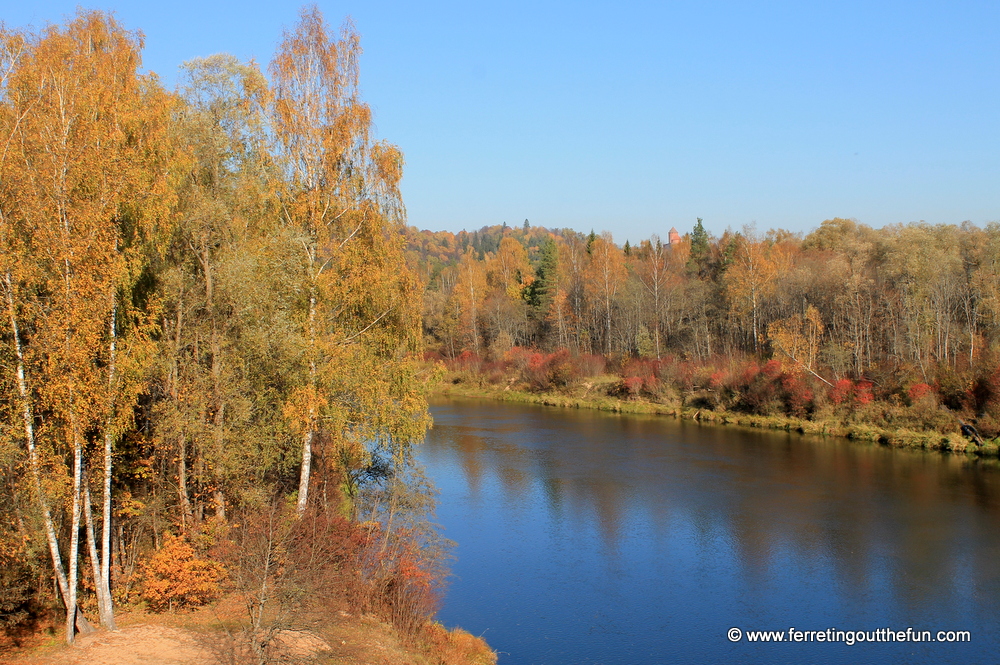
(592, 396)
(212, 634)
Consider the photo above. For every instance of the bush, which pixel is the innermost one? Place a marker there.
(629, 387)
(467, 361)
(176, 577)
(863, 392)
(18, 602)
(456, 646)
(797, 395)
(406, 588)
(841, 391)
(918, 391)
(590, 365)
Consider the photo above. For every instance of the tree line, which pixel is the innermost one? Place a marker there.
(897, 307)
(205, 304)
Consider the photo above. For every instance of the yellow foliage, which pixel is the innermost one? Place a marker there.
(798, 336)
(303, 405)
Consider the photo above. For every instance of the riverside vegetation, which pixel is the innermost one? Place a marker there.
(878, 334)
(209, 352)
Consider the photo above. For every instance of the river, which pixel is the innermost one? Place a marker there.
(587, 537)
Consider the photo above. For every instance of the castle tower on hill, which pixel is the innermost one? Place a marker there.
(674, 238)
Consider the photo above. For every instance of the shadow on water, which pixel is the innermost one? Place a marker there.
(587, 537)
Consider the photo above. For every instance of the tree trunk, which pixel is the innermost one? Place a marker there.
(29, 435)
(104, 605)
(182, 484)
(307, 439)
(103, 581)
(304, 474)
(74, 537)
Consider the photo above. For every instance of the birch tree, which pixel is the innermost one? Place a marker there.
(341, 208)
(84, 134)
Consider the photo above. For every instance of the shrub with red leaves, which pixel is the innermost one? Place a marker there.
(863, 392)
(772, 369)
(467, 361)
(542, 371)
(798, 397)
(918, 391)
(748, 374)
(841, 391)
(560, 368)
(717, 379)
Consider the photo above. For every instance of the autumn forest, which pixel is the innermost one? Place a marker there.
(210, 360)
(894, 327)
(218, 333)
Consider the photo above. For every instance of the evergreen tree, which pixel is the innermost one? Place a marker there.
(700, 251)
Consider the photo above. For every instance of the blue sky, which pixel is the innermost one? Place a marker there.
(634, 119)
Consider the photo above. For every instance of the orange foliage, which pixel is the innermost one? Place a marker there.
(176, 577)
(457, 647)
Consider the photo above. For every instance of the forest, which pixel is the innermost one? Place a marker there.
(210, 346)
(218, 335)
(896, 327)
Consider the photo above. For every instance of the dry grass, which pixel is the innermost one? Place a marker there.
(206, 636)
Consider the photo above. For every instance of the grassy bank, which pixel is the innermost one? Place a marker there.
(593, 396)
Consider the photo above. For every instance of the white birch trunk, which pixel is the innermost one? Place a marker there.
(29, 435)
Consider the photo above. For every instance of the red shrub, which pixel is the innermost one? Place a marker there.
(518, 358)
(863, 392)
(407, 587)
(646, 371)
(717, 379)
(748, 374)
(633, 385)
(560, 368)
(771, 369)
(841, 391)
(798, 397)
(541, 371)
(684, 375)
(641, 367)
(918, 391)
(467, 361)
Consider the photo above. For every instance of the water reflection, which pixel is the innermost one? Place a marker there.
(665, 533)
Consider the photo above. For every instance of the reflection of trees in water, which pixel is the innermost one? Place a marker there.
(471, 446)
(920, 524)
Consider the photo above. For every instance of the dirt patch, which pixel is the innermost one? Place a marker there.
(334, 637)
(133, 645)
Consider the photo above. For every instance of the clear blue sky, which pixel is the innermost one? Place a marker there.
(636, 119)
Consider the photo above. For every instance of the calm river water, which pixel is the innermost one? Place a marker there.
(586, 537)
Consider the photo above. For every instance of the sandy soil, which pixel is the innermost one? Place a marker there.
(141, 643)
(341, 639)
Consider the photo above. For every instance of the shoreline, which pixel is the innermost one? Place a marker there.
(947, 443)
